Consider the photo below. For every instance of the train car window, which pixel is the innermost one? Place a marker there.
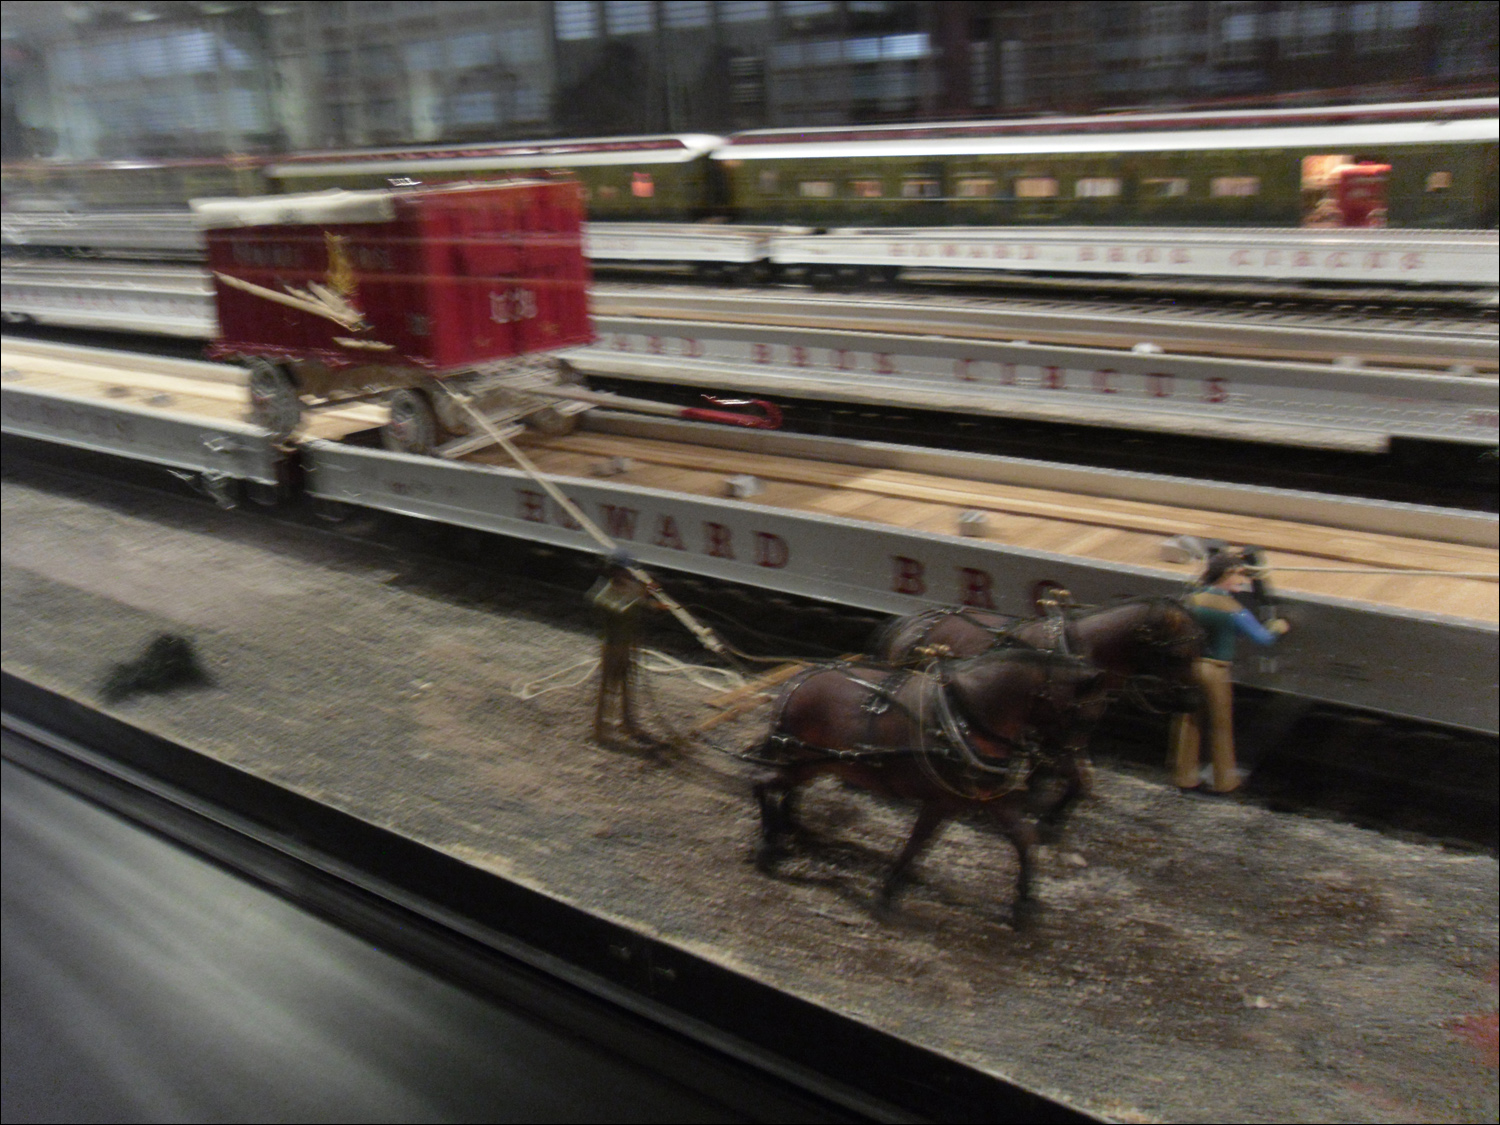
(1036, 187)
(816, 189)
(1233, 186)
(866, 189)
(1165, 187)
(921, 188)
(977, 188)
(769, 182)
(1096, 187)
(1439, 181)
(642, 186)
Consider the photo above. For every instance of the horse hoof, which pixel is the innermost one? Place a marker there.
(766, 858)
(1025, 912)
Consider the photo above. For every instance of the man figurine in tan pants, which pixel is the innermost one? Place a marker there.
(1214, 606)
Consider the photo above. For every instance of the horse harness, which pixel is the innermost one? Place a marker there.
(945, 733)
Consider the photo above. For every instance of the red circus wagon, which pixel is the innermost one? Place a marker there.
(340, 296)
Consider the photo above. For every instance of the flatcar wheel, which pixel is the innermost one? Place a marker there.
(413, 427)
(274, 403)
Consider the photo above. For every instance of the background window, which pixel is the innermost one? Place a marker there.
(1036, 187)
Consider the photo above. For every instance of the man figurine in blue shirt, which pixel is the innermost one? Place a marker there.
(1214, 606)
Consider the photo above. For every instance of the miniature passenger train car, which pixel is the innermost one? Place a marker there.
(337, 296)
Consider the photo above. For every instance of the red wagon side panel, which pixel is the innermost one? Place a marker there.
(444, 279)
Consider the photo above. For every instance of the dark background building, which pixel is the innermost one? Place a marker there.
(117, 78)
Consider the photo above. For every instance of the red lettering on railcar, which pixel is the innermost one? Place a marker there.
(654, 345)
(1273, 257)
(1178, 256)
(533, 505)
(976, 588)
(962, 372)
(1215, 389)
(1001, 251)
(1146, 254)
(908, 576)
(884, 365)
(1102, 381)
(1028, 253)
(693, 349)
(717, 539)
(1085, 253)
(1054, 378)
(1115, 254)
(841, 358)
(621, 343)
(1007, 374)
(950, 250)
(667, 534)
(799, 355)
(1337, 260)
(1239, 258)
(1375, 260)
(1159, 386)
(761, 353)
(619, 521)
(1302, 258)
(771, 550)
(1412, 261)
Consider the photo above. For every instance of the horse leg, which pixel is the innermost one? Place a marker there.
(1077, 784)
(775, 793)
(930, 819)
(1023, 838)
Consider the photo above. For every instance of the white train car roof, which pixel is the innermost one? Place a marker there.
(1465, 120)
(1331, 137)
(671, 149)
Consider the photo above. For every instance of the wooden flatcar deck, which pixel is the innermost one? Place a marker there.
(1121, 531)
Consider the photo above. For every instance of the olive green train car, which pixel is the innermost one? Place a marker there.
(641, 179)
(1276, 174)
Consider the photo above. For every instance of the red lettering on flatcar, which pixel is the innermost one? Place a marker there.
(1159, 386)
(841, 358)
(799, 355)
(1054, 378)
(1215, 389)
(619, 521)
(1103, 383)
(761, 353)
(962, 372)
(884, 365)
(771, 550)
(718, 542)
(908, 576)
(692, 348)
(667, 534)
(976, 588)
(533, 505)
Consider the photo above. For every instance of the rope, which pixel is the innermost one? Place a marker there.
(650, 660)
(704, 634)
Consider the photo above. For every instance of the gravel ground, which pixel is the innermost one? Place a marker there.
(1193, 960)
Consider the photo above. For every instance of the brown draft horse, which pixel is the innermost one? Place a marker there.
(958, 737)
(1145, 645)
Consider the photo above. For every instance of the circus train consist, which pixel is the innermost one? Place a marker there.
(1421, 166)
